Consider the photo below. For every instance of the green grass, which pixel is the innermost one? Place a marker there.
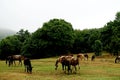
(44, 69)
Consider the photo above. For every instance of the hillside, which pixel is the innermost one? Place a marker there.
(6, 32)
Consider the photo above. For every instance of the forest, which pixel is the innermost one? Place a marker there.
(57, 37)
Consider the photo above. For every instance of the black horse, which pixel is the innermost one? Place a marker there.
(117, 59)
(27, 64)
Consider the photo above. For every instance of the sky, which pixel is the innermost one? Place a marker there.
(31, 14)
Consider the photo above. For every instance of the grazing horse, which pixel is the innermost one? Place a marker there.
(82, 56)
(65, 61)
(93, 58)
(68, 61)
(75, 62)
(117, 59)
(11, 59)
(61, 60)
(27, 64)
(86, 56)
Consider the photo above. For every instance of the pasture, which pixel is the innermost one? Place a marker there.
(103, 68)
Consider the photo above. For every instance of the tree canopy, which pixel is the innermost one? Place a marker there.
(57, 37)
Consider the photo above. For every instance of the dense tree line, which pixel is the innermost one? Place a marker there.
(57, 37)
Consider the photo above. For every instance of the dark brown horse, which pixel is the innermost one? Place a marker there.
(93, 58)
(11, 59)
(66, 63)
(117, 59)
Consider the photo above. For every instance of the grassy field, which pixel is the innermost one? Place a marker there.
(103, 68)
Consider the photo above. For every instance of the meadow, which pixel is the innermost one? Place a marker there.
(103, 68)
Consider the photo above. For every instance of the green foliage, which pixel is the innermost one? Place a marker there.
(117, 16)
(57, 37)
(13, 44)
(97, 47)
(54, 38)
(10, 45)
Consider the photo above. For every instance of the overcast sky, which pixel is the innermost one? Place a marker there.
(31, 14)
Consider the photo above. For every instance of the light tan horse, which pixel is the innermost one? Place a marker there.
(82, 56)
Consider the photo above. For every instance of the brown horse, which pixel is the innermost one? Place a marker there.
(13, 58)
(68, 61)
(65, 61)
(74, 63)
(61, 60)
(93, 58)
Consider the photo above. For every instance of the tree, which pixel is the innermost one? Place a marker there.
(97, 47)
(9, 46)
(117, 16)
(56, 37)
(23, 35)
(78, 45)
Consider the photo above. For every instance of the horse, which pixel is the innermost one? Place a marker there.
(93, 58)
(83, 56)
(11, 59)
(68, 61)
(75, 62)
(65, 61)
(27, 64)
(117, 59)
(61, 60)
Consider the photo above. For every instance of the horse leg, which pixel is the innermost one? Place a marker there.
(9, 63)
(63, 66)
(20, 62)
(14, 62)
(78, 66)
(25, 68)
(56, 64)
(75, 69)
(69, 69)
